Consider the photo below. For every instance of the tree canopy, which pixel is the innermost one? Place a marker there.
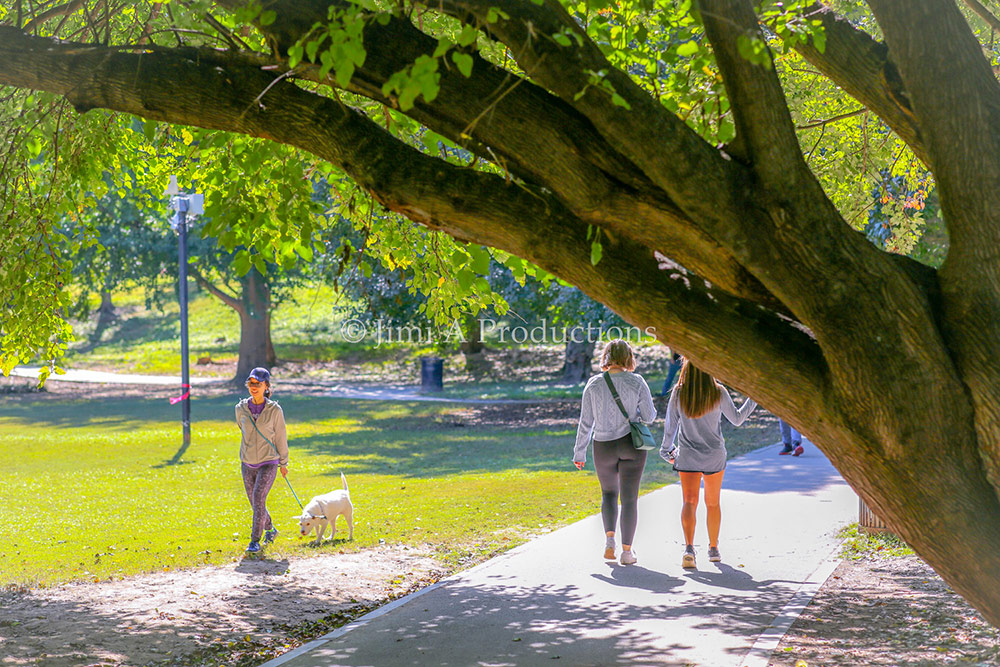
(703, 168)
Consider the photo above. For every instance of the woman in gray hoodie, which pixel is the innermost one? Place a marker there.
(263, 450)
(694, 420)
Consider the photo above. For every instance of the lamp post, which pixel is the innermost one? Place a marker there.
(185, 205)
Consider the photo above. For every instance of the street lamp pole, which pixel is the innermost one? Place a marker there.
(184, 205)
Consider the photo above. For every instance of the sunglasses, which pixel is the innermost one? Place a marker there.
(254, 383)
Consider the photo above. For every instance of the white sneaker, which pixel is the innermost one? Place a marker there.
(687, 560)
(628, 557)
(609, 548)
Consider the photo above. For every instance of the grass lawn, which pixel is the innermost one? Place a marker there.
(90, 493)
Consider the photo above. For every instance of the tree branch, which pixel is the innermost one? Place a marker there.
(698, 178)
(206, 284)
(763, 122)
(984, 13)
(861, 66)
(427, 190)
(59, 10)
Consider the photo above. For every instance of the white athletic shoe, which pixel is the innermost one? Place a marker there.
(628, 557)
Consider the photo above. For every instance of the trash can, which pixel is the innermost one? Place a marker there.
(431, 374)
(868, 521)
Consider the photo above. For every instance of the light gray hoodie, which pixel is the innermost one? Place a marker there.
(254, 449)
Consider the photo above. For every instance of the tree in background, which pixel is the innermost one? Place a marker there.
(701, 168)
(129, 249)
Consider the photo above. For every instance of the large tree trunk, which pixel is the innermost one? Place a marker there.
(578, 361)
(253, 305)
(106, 315)
(256, 348)
(733, 254)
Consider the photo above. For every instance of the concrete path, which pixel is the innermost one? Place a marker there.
(355, 390)
(101, 377)
(556, 599)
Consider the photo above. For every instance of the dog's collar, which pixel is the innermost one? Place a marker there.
(316, 516)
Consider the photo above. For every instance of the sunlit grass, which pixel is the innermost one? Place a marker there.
(90, 494)
(859, 544)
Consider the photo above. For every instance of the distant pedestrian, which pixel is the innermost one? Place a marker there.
(694, 416)
(263, 450)
(618, 463)
(672, 368)
(790, 439)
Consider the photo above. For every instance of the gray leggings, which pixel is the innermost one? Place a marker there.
(257, 482)
(618, 463)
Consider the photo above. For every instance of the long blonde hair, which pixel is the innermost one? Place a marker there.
(697, 391)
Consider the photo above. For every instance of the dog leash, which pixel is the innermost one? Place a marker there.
(254, 422)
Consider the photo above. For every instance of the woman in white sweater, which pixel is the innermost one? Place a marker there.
(694, 419)
(618, 464)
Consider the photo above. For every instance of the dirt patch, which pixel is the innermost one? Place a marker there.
(888, 612)
(211, 611)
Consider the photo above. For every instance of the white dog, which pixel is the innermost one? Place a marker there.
(325, 509)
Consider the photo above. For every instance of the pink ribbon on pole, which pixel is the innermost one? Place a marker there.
(186, 394)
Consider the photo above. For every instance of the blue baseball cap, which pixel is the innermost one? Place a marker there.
(259, 374)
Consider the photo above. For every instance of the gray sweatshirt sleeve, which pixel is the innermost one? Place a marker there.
(647, 411)
(670, 428)
(735, 416)
(585, 427)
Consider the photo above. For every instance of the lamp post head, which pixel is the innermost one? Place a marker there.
(172, 188)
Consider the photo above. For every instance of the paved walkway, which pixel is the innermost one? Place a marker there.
(355, 390)
(101, 377)
(556, 599)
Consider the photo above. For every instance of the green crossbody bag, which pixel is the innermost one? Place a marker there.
(641, 437)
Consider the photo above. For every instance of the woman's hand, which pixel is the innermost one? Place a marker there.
(579, 465)
(284, 471)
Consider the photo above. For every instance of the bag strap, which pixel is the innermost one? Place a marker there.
(614, 393)
(254, 422)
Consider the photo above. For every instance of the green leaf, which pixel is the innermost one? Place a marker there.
(561, 39)
(34, 146)
(267, 17)
(596, 251)
(688, 49)
(344, 72)
(294, 54)
(480, 259)
(468, 35)
(464, 63)
(241, 263)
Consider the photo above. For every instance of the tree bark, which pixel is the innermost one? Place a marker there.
(106, 314)
(253, 305)
(256, 348)
(578, 361)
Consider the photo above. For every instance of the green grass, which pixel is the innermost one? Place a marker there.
(859, 544)
(90, 493)
(511, 390)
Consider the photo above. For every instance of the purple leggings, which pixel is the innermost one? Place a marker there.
(257, 482)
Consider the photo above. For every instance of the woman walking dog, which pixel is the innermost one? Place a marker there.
(263, 450)
(694, 416)
(618, 463)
